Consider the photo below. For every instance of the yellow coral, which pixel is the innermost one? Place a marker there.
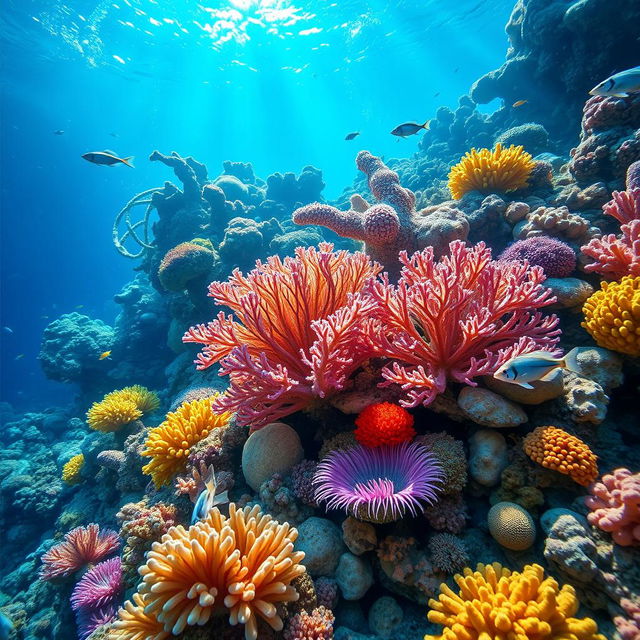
(168, 445)
(72, 469)
(612, 315)
(121, 407)
(494, 602)
(500, 170)
(244, 563)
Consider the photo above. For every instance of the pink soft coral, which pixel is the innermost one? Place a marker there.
(615, 506)
(628, 626)
(458, 318)
(299, 331)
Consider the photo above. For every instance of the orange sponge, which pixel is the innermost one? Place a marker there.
(384, 423)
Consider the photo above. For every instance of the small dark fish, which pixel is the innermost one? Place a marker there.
(456, 70)
(519, 103)
(435, 95)
(351, 136)
(409, 128)
(58, 132)
(107, 158)
(113, 135)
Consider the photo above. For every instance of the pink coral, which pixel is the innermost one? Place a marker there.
(317, 625)
(615, 506)
(458, 318)
(299, 332)
(99, 587)
(628, 626)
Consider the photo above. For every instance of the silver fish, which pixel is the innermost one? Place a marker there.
(108, 158)
(535, 366)
(619, 85)
(409, 128)
(208, 498)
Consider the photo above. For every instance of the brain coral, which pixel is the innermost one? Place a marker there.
(384, 423)
(169, 445)
(557, 258)
(612, 315)
(121, 407)
(500, 170)
(182, 264)
(511, 526)
(494, 602)
(556, 449)
(72, 469)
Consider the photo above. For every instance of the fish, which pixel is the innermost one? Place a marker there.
(436, 94)
(409, 128)
(113, 134)
(619, 85)
(535, 366)
(58, 132)
(351, 136)
(8, 330)
(79, 306)
(104, 354)
(106, 157)
(519, 103)
(19, 356)
(208, 498)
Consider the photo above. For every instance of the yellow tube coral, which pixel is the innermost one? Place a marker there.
(72, 469)
(169, 445)
(121, 407)
(494, 602)
(500, 170)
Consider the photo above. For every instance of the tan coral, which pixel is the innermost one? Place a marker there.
(511, 526)
(557, 222)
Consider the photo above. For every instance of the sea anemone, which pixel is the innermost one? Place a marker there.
(134, 623)
(497, 171)
(384, 423)
(99, 587)
(121, 407)
(72, 469)
(80, 547)
(557, 258)
(378, 484)
(88, 620)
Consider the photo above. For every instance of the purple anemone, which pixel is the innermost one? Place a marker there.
(88, 620)
(99, 587)
(379, 484)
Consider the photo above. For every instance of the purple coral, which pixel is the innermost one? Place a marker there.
(379, 484)
(302, 481)
(557, 258)
(88, 620)
(99, 587)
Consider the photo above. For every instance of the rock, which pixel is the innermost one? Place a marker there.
(550, 517)
(353, 402)
(487, 456)
(489, 409)
(359, 537)
(585, 399)
(570, 292)
(600, 365)
(276, 448)
(541, 391)
(322, 544)
(354, 576)
(384, 616)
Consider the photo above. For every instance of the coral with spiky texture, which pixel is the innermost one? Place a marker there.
(81, 546)
(99, 587)
(497, 171)
(298, 335)
(379, 484)
(384, 423)
(457, 319)
(557, 258)
(184, 263)
(449, 452)
(448, 553)
(88, 620)
(448, 514)
(494, 602)
(121, 407)
(615, 506)
(554, 448)
(317, 625)
(168, 445)
(393, 224)
(72, 469)
(612, 315)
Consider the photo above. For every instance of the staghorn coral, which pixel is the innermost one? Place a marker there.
(81, 546)
(458, 318)
(298, 336)
(554, 448)
(497, 171)
(379, 484)
(184, 263)
(384, 423)
(169, 445)
(448, 553)
(72, 469)
(615, 506)
(317, 625)
(121, 407)
(612, 315)
(511, 526)
(496, 602)
(101, 586)
(557, 259)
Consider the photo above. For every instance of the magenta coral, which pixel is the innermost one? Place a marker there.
(88, 620)
(299, 332)
(458, 318)
(100, 586)
(557, 258)
(615, 506)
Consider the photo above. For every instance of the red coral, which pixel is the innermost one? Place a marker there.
(384, 423)
(299, 334)
(458, 318)
(80, 547)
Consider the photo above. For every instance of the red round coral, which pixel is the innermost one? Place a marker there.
(384, 423)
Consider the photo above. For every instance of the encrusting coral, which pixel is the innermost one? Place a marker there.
(72, 469)
(121, 407)
(494, 602)
(384, 423)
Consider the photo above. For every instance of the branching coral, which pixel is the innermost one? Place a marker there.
(72, 469)
(168, 445)
(81, 546)
(494, 602)
(384, 423)
(298, 336)
(121, 407)
(497, 171)
(458, 318)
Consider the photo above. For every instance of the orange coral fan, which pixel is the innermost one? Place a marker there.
(121, 407)
(556, 449)
(134, 624)
(494, 602)
(245, 563)
(500, 170)
(384, 423)
(168, 445)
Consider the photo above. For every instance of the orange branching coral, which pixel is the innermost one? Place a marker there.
(494, 602)
(134, 624)
(121, 407)
(169, 445)
(500, 170)
(556, 449)
(244, 563)
(384, 423)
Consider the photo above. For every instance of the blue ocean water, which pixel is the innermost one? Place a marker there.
(277, 83)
